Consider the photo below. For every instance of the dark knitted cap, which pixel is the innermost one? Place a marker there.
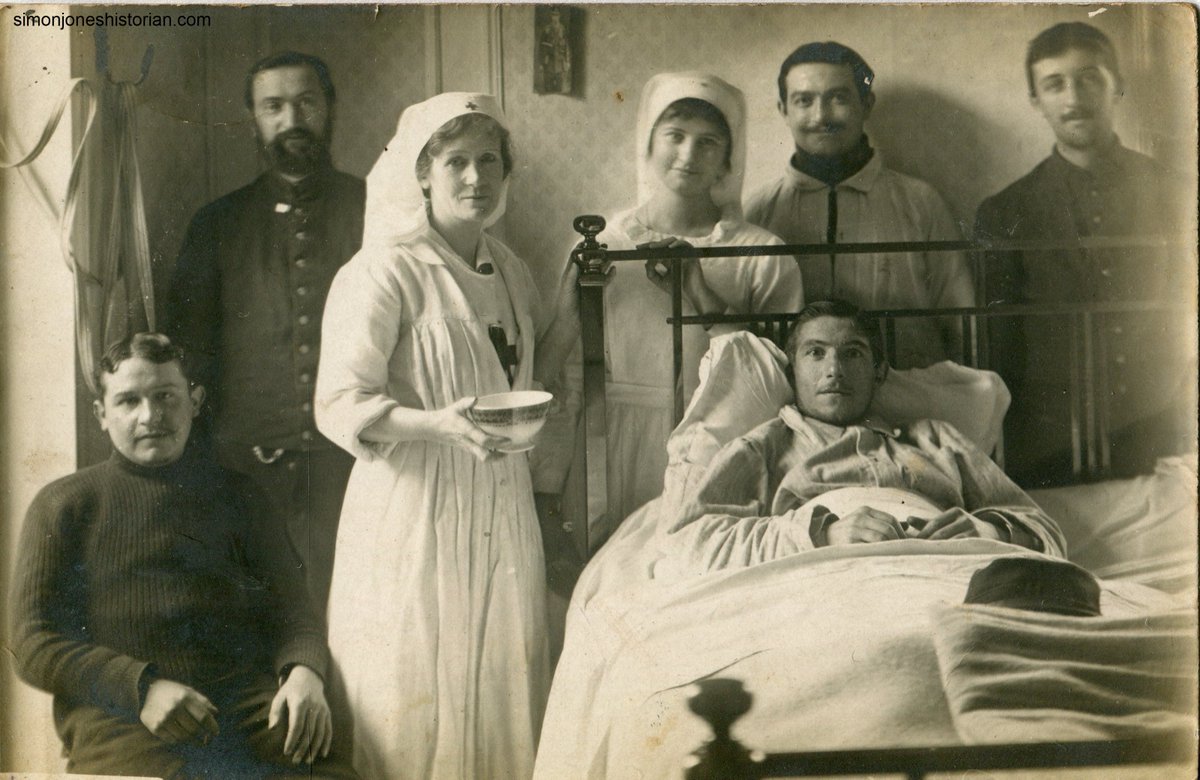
(1036, 584)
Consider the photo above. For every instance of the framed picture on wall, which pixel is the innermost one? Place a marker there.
(558, 49)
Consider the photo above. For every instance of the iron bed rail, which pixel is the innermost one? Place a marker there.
(722, 701)
(1089, 413)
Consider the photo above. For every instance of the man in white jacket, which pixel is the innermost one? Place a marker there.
(836, 189)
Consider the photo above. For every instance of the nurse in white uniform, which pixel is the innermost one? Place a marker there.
(437, 607)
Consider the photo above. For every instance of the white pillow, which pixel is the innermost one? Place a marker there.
(972, 400)
(744, 383)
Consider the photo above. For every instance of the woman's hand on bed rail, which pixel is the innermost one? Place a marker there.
(695, 287)
(566, 298)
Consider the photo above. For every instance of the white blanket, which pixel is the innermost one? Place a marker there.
(836, 645)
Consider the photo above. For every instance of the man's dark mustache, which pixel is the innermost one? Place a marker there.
(295, 134)
(1077, 114)
(831, 127)
(154, 433)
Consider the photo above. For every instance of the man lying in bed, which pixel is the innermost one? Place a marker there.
(824, 472)
(865, 644)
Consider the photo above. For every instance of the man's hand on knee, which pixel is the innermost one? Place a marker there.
(177, 713)
(310, 725)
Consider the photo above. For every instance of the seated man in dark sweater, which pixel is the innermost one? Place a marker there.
(157, 598)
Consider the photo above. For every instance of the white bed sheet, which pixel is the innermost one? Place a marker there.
(1138, 530)
(836, 645)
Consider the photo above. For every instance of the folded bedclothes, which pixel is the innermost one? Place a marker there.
(1011, 674)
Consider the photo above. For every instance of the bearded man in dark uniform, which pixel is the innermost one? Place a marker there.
(247, 297)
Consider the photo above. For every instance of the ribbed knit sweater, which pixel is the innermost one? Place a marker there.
(180, 571)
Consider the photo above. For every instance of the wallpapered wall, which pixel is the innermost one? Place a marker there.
(951, 107)
(195, 137)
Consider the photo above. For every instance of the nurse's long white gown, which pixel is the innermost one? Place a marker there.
(436, 613)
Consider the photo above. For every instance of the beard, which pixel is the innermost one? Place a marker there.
(307, 153)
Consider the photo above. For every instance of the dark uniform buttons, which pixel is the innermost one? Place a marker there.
(306, 407)
(307, 436)
(306, 378)
(304, 349)
(303, 319)
(301, 262)
(302, 291)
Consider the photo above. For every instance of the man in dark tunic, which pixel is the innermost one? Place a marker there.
(247, 297)
(156, 598)
(1090, 186)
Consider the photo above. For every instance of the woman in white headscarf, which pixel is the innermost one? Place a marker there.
(691, 153)
(437, 607)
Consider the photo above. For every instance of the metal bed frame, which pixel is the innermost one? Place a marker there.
(721, 702)
(1090, 444)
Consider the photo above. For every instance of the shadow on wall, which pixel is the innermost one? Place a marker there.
(934, 137)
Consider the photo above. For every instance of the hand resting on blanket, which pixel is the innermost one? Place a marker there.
(867, 524)
(852, 515)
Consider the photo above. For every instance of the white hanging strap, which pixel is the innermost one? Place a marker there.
(51, 125)
(126, 232)
(66, 219)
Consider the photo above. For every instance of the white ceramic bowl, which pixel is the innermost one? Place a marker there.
(517, 416)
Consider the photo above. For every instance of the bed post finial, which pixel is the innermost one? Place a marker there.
(590, 226)
(588, 254)
(721, 701)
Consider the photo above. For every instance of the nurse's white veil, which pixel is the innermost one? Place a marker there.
(663, 90)
(395, 204)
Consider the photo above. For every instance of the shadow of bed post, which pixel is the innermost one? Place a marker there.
(720, 702)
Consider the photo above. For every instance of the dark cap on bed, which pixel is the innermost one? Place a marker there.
(1036, 584)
